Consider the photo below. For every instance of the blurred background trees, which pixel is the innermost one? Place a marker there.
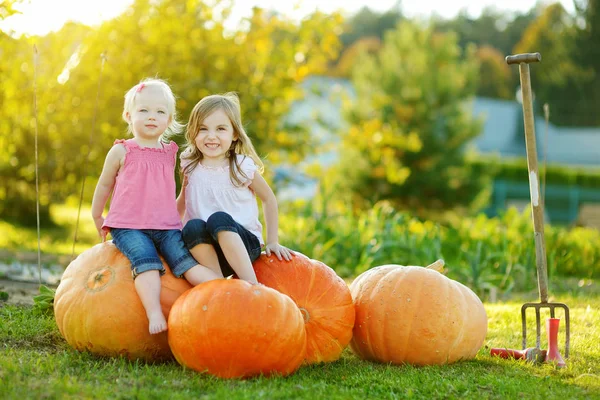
(184, 42)
(407, 127)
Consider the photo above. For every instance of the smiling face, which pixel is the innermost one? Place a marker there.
(149, 117)
(214, 138)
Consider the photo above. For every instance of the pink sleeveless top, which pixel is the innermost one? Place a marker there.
(144, 194)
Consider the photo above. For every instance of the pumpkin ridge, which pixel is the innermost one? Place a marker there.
(402, 273)
(310, 285)
(282, 321)
(361, 283)
(445, 312)
(375, 293)
(184, 331)
(212, 298)
(301, 328)
(277, 327)
(184, 328)
(335, 307)
(461, 334)
(334, 338)
(411, 319)
(316, 300)
(314, 289)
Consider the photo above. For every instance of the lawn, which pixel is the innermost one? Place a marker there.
(35, 362)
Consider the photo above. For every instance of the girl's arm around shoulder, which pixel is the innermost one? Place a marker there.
(270, 208)
(181, 197)
(106, 182)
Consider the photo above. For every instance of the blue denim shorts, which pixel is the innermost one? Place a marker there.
(197, 231)
(141, 247)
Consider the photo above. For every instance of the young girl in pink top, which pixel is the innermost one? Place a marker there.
(218, 197)
(143, 217)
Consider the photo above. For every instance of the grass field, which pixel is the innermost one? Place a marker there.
(35, 363)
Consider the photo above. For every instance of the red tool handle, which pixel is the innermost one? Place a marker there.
(509, 353)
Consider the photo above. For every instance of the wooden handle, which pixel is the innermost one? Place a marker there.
(537, 206)
(524, 58)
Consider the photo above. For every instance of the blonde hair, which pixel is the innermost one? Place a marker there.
(174, 127)
(229, 103)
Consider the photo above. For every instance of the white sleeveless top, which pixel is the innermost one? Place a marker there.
(210, 190)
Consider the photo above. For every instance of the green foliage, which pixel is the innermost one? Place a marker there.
(586, 95)
(7, 8)
(369, 23)
(56, 242)
(494, 27)
(495, 78)
(182, 41)
(481, 252)
(408, 125)
(515, 170)
(553, 35)
(44, 302)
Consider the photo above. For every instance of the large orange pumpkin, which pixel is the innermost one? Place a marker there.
(232, 329)
(323, 298)
(415, 315)
(97, 307)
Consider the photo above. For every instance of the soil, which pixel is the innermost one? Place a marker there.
(20, 292)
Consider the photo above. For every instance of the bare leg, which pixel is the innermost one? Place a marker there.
(236, 255)
(206, 255)
(199, 273)
(147, 285)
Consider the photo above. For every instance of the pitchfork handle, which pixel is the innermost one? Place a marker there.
(537, 206)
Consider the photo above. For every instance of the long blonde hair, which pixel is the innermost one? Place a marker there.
(229, 103)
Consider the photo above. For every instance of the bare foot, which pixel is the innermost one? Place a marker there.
(158, 323)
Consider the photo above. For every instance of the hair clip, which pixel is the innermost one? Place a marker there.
(140, 87)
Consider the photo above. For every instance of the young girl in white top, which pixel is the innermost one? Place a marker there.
(221, 179)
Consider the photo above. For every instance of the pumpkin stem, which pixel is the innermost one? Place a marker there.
(437, 266)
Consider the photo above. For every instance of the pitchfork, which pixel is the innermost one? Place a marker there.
(537, 204)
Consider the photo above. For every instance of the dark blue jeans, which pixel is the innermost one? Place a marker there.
(197, 231)
(140, 247)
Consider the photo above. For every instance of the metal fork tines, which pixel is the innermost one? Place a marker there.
(552, 307)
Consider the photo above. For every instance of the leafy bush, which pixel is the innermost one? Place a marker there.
(515, 170)
(480, 252)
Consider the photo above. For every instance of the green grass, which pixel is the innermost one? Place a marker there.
(35, 362)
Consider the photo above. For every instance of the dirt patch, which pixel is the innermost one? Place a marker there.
(20, 292)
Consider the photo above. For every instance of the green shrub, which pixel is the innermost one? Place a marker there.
(480, 252)
(515, 170)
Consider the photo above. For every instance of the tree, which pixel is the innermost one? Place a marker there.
(7, 8)
(495, 79)
(494, 28)
(182, 41)
(368, 23)
(553, 80)
(586, 96)
(351, 54)
(409, 124)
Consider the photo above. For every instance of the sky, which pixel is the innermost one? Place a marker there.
(42, 16)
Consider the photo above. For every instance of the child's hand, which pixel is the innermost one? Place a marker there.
(280, 251)
(185, 181)
(101, 232)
